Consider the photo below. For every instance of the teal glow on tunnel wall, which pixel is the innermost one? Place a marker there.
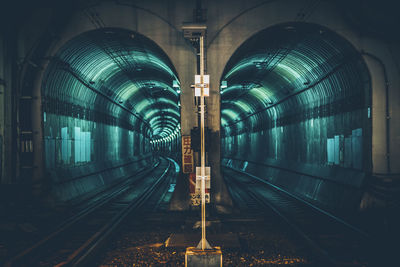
(124, 67)
(296, 97)
(108, 95)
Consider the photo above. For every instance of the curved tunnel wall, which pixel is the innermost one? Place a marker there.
(107, 96)
(295, 105)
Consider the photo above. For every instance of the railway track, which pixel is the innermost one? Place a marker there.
(336, 242)
(79, 238)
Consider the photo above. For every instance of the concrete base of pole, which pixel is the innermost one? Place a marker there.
(200, 258)
(206, 244)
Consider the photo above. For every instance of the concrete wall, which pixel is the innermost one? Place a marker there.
(2, 111)
(7, 110)
(82, 155)
(295, 158)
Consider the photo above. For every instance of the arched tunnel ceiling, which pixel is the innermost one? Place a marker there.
(283, 68)
(120, 72)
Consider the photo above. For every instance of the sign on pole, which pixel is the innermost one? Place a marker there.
(202, 85)
(187, 155)
(207, 184)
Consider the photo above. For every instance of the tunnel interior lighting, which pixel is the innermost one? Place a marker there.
(279, 70)
(224, 84)
(129, 78)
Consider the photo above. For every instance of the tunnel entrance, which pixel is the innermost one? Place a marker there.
(295, 110)
(109, 98)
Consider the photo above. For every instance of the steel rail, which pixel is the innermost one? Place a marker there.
(343, 222)
(82, 255)
(323, 253)
(68, 223)
(312, 242)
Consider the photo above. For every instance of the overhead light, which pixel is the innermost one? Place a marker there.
(150, 85)
(175, 84)
(224, 84)
(179, 91)
(260, 64)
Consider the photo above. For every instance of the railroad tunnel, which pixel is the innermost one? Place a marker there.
(295, 110)
(110, 101)
(99, 140)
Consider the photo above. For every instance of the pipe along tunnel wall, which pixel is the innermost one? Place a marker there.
(106, 96)
(296, 111)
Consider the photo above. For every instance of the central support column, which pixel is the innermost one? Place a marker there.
(220, 199)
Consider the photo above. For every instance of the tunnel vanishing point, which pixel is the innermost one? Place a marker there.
(303, 93)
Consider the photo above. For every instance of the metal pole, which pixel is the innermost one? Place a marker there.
(203, 156)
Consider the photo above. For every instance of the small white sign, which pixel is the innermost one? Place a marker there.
(206, 91)
(198, 178)
(197, 91)
(200, 85)
(206, 79)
